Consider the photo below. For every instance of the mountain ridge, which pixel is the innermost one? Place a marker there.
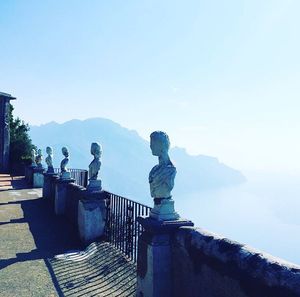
(127, 157)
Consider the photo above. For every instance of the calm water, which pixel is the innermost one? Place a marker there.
(263, 213)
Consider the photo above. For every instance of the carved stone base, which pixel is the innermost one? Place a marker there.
(47, 187)
(29, 174)
(91, 219)
(39, 166)
(164, 210)
(65, 175)
(154, 265)
(95, 185)
(38, 180)
(50, 170)
(61, 195)
(38, 177)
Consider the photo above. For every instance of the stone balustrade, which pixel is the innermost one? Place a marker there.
(174, 259)
(208, 265)
(74, 194)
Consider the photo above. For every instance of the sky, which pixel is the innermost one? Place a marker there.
(220, 77)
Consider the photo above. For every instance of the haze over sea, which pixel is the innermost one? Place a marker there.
(263, 213)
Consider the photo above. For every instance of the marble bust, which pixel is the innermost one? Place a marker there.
(95, 165)
(39, 158)
(65, 173)
(33, 156)
(49, 160)
(161, 177)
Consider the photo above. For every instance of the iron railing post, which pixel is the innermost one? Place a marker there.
(122, 228)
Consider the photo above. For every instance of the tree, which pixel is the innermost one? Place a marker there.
(20, 142)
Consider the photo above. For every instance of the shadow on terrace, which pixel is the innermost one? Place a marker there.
(100, 270)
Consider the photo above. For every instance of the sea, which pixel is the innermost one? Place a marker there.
(263, 212)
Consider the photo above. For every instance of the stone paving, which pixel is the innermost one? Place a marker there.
(7, 181)
(100, 270)
(35, 257)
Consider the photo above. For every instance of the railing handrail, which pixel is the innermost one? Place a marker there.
(71, 169)
(79, 179)
(144, 205)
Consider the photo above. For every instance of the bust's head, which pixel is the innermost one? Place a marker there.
(65, 151)
(49, 150)
(96, 149)
(33, 152)
(39, 152)
(159, 143)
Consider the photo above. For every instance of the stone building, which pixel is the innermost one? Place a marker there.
(4, 131)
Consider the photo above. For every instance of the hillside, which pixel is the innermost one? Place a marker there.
(127, 159)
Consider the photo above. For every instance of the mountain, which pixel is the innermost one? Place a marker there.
(127, 159)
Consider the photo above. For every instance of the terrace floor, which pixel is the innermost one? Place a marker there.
(40, 254)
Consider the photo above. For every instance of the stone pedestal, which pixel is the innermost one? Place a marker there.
(53, 182)
(154, 267)
(38, 177)
(29, 174)
(163, 210)
(47, 187)
(61, 195)
(95, 185)
(50, 170)
(91, 216)
(66, 175)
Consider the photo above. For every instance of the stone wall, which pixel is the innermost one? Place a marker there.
(205, 265)
(4, 131)
(74, 194)
(85, 211)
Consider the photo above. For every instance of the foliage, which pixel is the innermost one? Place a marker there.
(20, 142)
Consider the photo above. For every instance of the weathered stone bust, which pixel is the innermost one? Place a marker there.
(65, 173)
(95, 165)
(161, 177)
(33, 156)
(95, 184)
(49, 160)
(39, 158)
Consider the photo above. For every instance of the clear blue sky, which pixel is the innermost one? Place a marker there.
(221, 77)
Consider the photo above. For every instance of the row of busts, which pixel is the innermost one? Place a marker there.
(161, 177)
(94, 166)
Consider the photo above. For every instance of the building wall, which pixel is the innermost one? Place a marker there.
(4, 135)
(205, 265)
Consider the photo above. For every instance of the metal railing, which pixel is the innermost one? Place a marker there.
(80, 176)
(122, 228)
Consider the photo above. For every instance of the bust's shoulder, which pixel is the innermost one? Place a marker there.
(171, 169)
(155, 168)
